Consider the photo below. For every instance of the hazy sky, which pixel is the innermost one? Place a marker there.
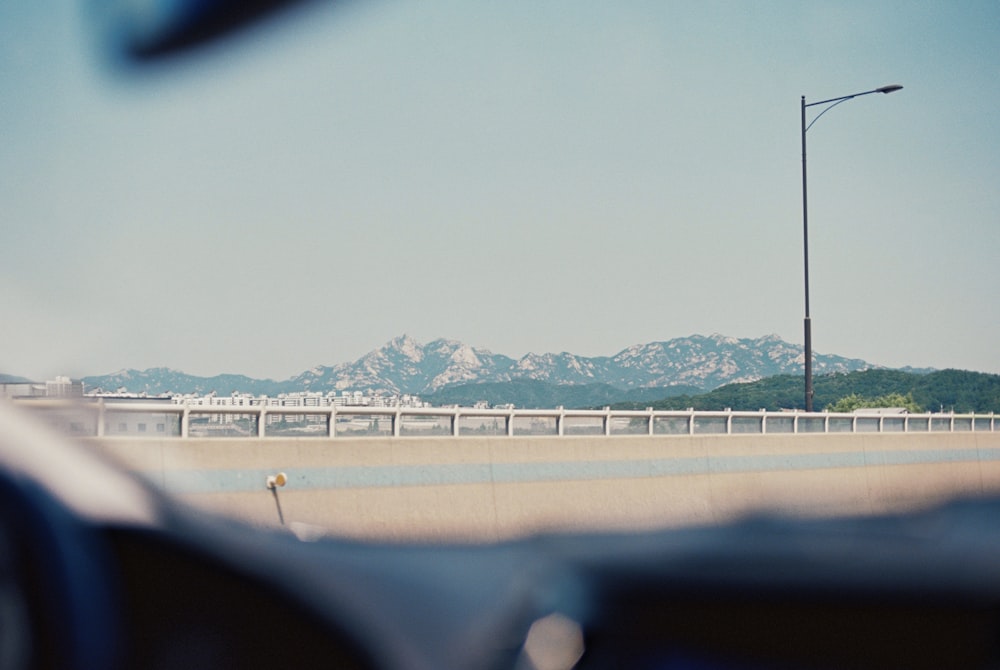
(520, 176)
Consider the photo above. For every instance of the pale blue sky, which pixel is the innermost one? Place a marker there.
(520, 176)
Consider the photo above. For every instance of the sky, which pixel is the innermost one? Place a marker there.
(519, 176)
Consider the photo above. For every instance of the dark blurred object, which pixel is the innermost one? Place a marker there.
(146, 29)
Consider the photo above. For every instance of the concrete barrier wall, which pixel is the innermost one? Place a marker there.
(494, 488)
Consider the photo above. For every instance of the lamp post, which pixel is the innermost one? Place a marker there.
(830, 104)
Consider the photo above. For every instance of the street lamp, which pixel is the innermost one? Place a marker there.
(830, 104)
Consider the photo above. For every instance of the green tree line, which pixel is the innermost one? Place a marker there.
(944, 390)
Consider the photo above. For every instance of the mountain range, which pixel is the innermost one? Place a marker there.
(405, 366)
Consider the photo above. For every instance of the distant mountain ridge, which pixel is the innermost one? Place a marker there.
(531, 393)
(405, 366)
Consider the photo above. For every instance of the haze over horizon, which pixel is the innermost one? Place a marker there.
(520, 177)
(404, 342)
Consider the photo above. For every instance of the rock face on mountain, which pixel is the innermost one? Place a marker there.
(404, 365)
(715, 360)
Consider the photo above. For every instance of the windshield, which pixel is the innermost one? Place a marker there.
(522, 177)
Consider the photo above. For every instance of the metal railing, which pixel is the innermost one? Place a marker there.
(102, 418)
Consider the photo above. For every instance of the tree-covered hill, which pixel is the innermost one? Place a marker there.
(531, 393)
(946, 390)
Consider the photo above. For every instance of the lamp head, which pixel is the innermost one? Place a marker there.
(888, 89)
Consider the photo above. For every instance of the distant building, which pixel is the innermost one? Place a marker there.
(64, 387)
(60, 387)
(21, 389)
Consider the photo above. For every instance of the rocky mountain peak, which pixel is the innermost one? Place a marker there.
(404, 365)
(407, 346)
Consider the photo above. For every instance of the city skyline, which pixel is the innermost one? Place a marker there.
(524, 178)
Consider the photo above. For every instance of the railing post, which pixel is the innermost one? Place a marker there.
(607, 421)
(510, 423)
(185, 419)
(763, 422)
(559, 420)
(650, 410)
(261, 422)
(397, 420)
(100, 417)
(454, 421)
